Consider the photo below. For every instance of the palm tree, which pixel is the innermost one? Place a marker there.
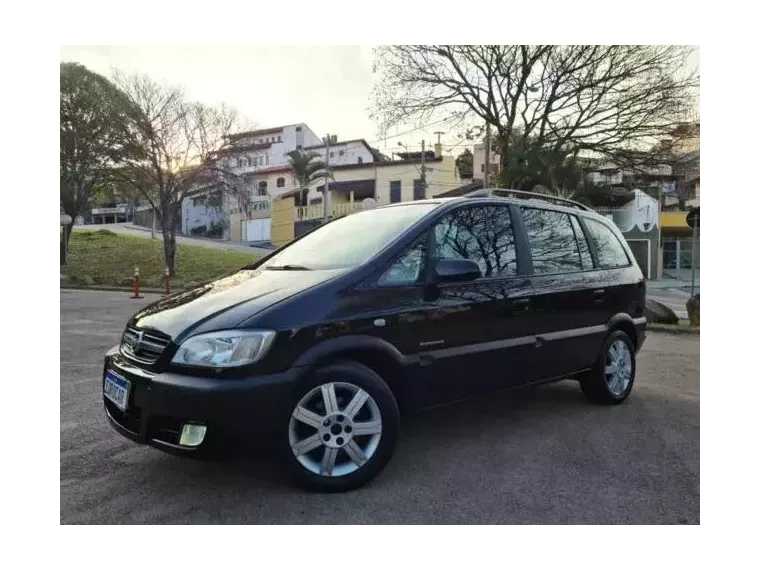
(308, 167)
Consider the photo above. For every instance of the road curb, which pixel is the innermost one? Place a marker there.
(111, 288)
(672, 329)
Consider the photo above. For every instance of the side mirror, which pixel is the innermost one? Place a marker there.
(452, 270)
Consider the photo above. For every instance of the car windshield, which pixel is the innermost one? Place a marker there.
(350, 241)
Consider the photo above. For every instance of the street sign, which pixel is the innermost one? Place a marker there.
(692, 218)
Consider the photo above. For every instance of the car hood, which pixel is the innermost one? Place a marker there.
(226, 302)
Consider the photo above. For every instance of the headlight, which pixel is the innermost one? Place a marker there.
(224, 348)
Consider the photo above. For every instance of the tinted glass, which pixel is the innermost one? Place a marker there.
(609, 250)
(352, 240)
(407, 269)
(482, 234)
(580, 237)
(552, 241)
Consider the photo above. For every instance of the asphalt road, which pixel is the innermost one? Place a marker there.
(540, 455)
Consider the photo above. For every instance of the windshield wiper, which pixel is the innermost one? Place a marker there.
(288, 267)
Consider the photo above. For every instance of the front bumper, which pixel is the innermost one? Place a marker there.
(237, 411)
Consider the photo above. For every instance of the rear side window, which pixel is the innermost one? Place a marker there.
(482, 234)
(609, 250)
(552, 241)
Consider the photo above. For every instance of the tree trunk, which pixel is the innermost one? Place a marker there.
(169, 229)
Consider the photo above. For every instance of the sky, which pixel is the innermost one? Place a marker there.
(327, 87)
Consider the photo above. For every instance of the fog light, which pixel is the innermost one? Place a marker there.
(192, 435)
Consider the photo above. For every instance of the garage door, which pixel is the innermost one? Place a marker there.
(259, 230)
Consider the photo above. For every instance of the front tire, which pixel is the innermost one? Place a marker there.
(611, 380)
(342, 428)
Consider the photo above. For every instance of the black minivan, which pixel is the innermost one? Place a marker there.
(319, 347)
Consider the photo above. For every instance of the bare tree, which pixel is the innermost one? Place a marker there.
(180, 144)
(572, 101)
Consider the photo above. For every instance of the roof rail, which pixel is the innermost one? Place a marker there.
(506, 193)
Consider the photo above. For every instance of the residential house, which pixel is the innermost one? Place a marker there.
(379, 182)
(259, 157)
(478, 161)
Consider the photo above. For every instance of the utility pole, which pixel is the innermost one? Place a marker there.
(326, 189)
(422, 172)
(487, 163)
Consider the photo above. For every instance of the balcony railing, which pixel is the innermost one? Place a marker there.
(317, 211)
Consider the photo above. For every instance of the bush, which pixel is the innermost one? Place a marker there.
(199, 231)
(692, 308)
(105, 233)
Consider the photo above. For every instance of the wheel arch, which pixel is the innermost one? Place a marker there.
(624, 322)
(373, 352)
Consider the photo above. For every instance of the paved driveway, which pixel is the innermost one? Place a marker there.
(536, 456)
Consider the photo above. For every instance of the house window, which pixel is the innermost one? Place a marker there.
(482, 168)
(199, 201)
(341, 153)
(360, 160)
(281, 182)
(298, 129)
(299, 146)
(419, 190)
(263, 188)
(279, 138)
(332, 154)
(395, 191)
(250, 162)
(267, 157)
(240, 162)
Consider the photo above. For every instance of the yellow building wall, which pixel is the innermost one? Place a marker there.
(283, 221)
(673, 220)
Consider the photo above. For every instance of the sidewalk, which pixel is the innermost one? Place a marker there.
(672, 284)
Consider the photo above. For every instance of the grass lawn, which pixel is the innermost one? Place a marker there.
(110, 259)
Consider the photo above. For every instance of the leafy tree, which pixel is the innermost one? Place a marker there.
(308, 167)
(464, 164)
(94, 135)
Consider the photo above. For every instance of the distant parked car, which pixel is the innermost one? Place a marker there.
(319, 347)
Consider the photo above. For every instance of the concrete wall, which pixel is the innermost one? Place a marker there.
(346, 153)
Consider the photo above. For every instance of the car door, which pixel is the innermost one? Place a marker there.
(620, 280)
(479, 339)
(568, 292)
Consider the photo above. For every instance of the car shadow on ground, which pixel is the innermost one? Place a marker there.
(457, 425)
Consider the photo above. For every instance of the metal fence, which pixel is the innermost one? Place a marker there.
(678, 259)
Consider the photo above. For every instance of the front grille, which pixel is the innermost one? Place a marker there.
(143, 346)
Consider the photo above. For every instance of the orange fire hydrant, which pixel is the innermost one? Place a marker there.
(137, 284)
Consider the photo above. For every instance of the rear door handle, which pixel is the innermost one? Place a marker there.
(521, 304)
(598, 295)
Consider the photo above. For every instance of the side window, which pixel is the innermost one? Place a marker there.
(580, 237)
(552, 241)
(609, 250)
(408, 267)
(483, 234)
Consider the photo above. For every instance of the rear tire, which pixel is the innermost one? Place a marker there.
(611, 380)
(341, 430)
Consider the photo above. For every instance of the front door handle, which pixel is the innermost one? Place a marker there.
(521, 304)
(598, 295)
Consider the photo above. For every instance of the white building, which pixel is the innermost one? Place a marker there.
(478, 162)
(260, 158)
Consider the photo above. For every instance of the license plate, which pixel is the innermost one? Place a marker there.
(116, 389)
